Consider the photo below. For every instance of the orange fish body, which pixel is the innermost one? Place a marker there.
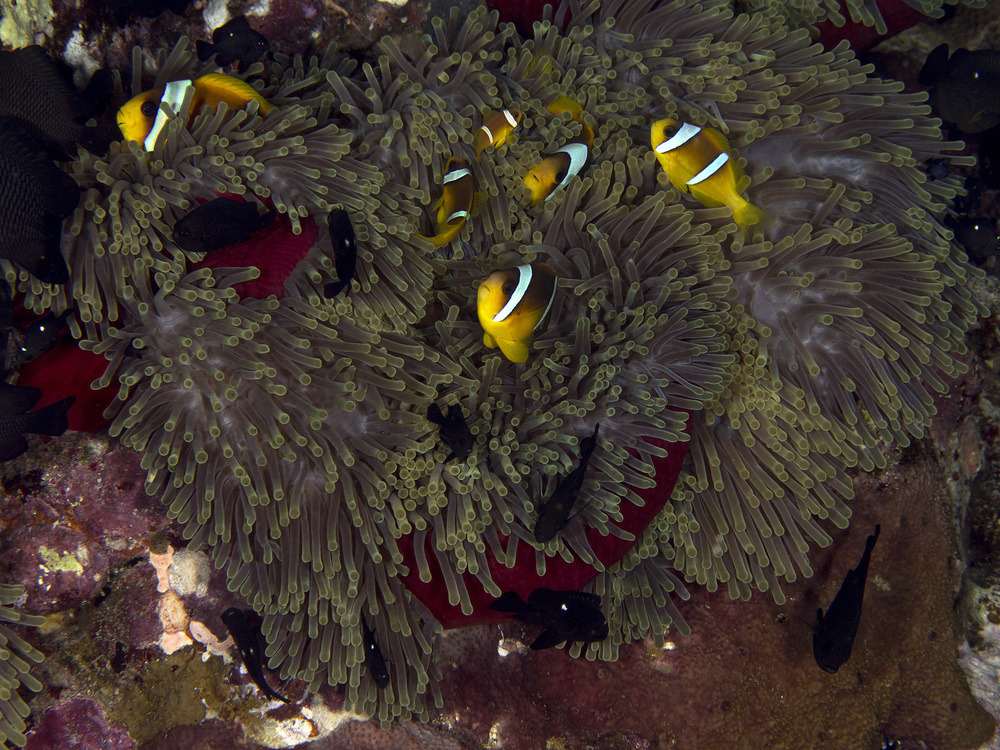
(555, 170)
(512, 304)
(458, 197)
(496, 129)
(699, 160)
(141, 118)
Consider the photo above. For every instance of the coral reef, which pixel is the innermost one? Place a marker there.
(289, 435)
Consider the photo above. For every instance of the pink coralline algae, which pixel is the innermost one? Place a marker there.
(78, 724)
(72, 510)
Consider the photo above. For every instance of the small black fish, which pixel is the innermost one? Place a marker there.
(565, 615)
(42, 335)
(345, 252)
(35, 198)
(219, 223)
(936, 169)
(36, 94)
(453, 430)
(248, 641)
(554, 513)
(17, 419)
(979, 236)
(373, 656)
(835, 631)
(965, 88)
(233, 41)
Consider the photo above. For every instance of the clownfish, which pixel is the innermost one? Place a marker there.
(556, 169)
(458, 201)
(512, 303)
(698, 160)
(496, 129)
(142, 118)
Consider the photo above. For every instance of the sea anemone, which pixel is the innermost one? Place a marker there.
(15, 655)
(290, 435)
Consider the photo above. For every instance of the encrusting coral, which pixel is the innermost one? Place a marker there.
(290, 435)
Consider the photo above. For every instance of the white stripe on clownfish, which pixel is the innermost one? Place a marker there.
(682, 136)
(173, 94)
(523, 282)
(460, 214)
(711, 169)
(455, 174)
(577, 153)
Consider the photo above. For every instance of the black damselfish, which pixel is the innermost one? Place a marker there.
(248, 641)
(35, 94)
(42, 335)
(345, 252)
(554, 513)
(17, 419)
(233, 41)
(965, 87)
(373, 656)
(219, 223)
(453, 430)
(835, 632)
(35, 198)
(565, 615)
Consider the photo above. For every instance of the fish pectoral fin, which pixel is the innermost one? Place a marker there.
(479, 200)
(489, 342)
(515, 351)
(548, 639)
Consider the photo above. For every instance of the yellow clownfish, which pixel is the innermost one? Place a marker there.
(512, 304)
(557, 169)
(142, 119)
(496, 128)
(458, 201)
(698, 160)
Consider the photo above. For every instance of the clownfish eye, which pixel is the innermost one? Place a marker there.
(508, 288)
(561, 174)
(669, 131)
(149, 108)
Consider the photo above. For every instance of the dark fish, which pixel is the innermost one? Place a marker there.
(122, 9)
(936, 169)
(17, 419)
(373, 656)
(835, 631)
(453, 430)
(42, 335)
(233, 41)
(554, 512)
(36, 94)
(248, 641)
(35, 198)
(100, 88)
(965, 89)
(565, 615)
(979, 236)
(345, 252)
(219, 223)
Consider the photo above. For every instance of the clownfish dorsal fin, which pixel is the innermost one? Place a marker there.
(718, 139)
